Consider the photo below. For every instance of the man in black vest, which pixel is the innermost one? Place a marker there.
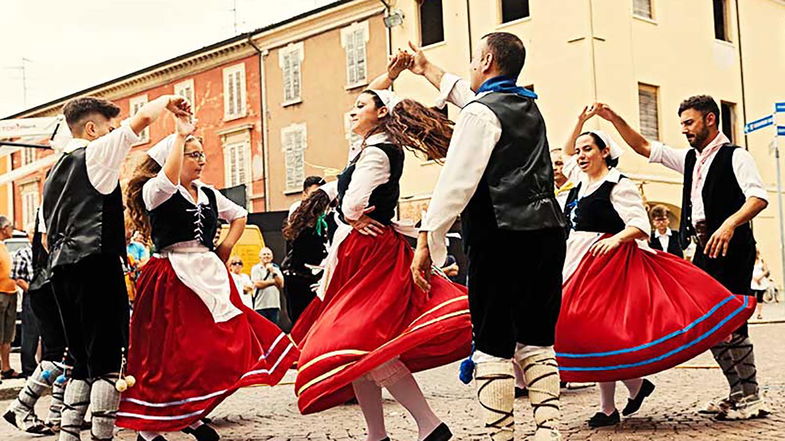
(663, 238)
(498, 176)
(722, 193)
(83, 211)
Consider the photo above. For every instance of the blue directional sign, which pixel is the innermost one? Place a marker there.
(759, 124)
(779, 107)
(781, 130)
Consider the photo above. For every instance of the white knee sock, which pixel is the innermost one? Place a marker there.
(633, 386)
(105, 399)
(408, 393)
(369, 396)
(496, 394)
(607, 397)
(75, 402)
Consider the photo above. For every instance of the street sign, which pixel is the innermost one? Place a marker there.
(781, 130)
(779, 107)
(759, 124)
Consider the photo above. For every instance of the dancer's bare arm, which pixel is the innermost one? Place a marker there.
(423, 66)
(398, 63)
(178, 105)
(634, 139)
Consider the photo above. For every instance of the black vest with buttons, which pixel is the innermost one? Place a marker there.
(594, 212)
(80, 221)
(384, 197)
(722, 197)
(179, 220)
(516, 190)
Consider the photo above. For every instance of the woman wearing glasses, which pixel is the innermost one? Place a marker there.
(241, 280)
(192, 340)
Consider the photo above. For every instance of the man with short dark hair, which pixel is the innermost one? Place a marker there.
(662, 237)
(83, 212)
(498, 176)
(310, 184)
(722, 193)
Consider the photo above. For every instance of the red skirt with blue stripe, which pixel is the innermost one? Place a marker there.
(634, 312)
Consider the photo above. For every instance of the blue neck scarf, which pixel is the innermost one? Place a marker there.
(505, 84)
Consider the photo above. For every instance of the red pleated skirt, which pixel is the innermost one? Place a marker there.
(632, 313)
(185, 364)
(372, 313)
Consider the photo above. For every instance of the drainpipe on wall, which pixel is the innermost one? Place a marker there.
(265, 131)
(387, 9)
(469, 28)
(741, 72)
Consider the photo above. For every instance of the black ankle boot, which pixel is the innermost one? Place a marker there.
(601, 420)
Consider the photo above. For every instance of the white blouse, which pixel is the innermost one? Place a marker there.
(626, 200)
(196, 266)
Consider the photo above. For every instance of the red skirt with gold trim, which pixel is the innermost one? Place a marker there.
(184, 362)
(373, 312)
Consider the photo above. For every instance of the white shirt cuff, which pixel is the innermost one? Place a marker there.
(655, 156)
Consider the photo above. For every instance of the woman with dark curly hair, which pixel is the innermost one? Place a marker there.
(192, 342)
(374, 327)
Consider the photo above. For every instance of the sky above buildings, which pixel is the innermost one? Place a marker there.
(67, 46)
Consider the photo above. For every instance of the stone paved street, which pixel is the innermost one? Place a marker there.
(268, 414)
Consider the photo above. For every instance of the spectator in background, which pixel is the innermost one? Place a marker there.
(268, 281)
(561, 183)
(760, 281)
(241, 280)
(662, 237)
(138, 249)
(22, 273)
(8, 299)
(310, 184)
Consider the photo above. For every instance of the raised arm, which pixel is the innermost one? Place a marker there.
(585, 115)
(398, 63)
(634, 139)
(174, 160)
(152, 110)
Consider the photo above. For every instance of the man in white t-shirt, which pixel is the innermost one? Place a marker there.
(268, 283)
(241, 280)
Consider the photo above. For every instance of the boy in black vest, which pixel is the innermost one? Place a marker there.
(498, 176)
(662, 237)
(83, 212)
(722, 193)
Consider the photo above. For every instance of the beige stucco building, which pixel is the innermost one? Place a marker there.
(640, 56)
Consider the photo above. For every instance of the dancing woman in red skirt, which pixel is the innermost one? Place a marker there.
(627, 310)
(374, 327)
(192, 341)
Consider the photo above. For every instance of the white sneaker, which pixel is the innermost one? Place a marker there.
(719, 405)
(749, 407)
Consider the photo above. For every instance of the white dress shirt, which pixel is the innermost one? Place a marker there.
(475, 135)
(664, 239)
(626, 200)
(197, 267)
(103, 158)
(743, 167)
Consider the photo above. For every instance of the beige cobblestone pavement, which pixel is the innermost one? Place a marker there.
(270, 414)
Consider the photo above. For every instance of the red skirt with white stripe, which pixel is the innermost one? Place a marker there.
(185, 364)
(372, 313)
(632, 313)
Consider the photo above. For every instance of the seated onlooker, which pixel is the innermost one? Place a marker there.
(241, 280)
(8, 299)
(268, 281)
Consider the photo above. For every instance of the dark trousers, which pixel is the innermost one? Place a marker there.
(30, 335)
(515, 285)
(44, 307)
(270, 314)
(93, 303)
(733, 271)
(298, 294)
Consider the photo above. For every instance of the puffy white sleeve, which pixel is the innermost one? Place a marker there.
(105, 156)
(372, 170)
(747, 175)
(674, 159)
(627, 201)
(157, 190)
(228, 210)
(454, 89)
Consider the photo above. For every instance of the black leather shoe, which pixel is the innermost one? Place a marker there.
(157, 438)
(203, 433)
(601, 420)
(440, 433)
(634, 404)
